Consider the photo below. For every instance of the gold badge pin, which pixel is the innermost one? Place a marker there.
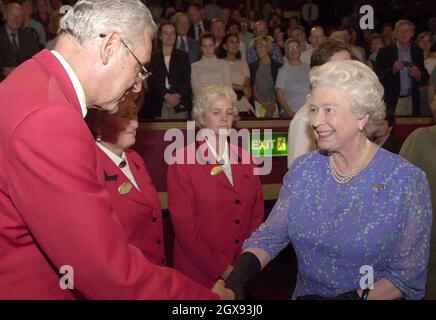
(125, 188)
(216, 171)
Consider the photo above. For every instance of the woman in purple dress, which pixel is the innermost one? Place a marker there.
(358, 217)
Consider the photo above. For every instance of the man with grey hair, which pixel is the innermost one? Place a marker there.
(400, 68)
(56, 219)
(16, 45)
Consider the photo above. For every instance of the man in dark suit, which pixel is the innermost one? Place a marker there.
(184, 42)
(400, 68)
(198, 24)
(16, 45)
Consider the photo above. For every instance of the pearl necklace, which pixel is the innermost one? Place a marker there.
(344, 178)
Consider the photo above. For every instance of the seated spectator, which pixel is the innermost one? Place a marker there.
(245, 35)
(299, 33)
(384, 135)
(29, 22)
(225, 16)
(42, 15)
(209, 69)
(212, 10)
(279, 34)
(133, 195)
(388, 33)
(261, 30)
(316, 37)
(169, 84)
(234, 26)
(376, 42)
(184, 42)
(16, 45)
(292, 85)
(301, 139)
(275, 20)
(292, 22)
(420, 149)
(400, 68)
(239, 74)
(218, 30)
(198, 24)
(344, 35)
(264, 72)
(424, 42)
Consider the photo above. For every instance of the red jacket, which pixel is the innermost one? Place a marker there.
(212, 218)
(139, 212)
(54, 211)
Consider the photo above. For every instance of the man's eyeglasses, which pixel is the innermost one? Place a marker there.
(143, 72)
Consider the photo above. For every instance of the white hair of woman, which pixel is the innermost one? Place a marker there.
(360, 83)
(89, 19)
(207, 96)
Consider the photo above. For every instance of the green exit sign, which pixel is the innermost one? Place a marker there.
(272, 144)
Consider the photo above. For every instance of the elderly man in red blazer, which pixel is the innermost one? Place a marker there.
(55, 215)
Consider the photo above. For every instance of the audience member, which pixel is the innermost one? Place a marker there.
(376, 42)
(292, 85)
(264, 72)
(16, 45)
(184, 42)
(169, 95)
(198, 24)
(29, 22)
(209, 69)
(261, 30)
(384, 135)
(400, 68)
(239, 73)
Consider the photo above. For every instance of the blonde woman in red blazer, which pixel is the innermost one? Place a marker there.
(215, 206)
(133, 195)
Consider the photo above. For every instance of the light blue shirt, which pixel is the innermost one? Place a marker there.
(295, 83)
(405, 80)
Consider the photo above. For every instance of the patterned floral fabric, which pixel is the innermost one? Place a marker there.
(381, 218)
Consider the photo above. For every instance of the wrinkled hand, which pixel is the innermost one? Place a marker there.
(224, 293)
(414, 71)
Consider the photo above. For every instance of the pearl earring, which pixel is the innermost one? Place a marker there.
(98, 138)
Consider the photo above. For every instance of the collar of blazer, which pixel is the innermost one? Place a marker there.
(53, 67)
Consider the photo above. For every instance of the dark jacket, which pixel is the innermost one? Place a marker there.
(391, 81)
(191, 32)
(27, 47)
(179, 78)
(275, 66)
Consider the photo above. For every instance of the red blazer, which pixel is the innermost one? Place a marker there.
(54, 211)
(139, 212)
(212, 218)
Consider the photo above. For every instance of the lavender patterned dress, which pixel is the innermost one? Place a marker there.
(381, 218)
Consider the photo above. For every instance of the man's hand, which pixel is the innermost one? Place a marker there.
(399, 64)
(224, 293)
(415, 72)
(172, 99)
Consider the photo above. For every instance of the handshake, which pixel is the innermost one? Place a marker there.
(236, 277)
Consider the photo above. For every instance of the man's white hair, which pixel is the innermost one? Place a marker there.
(90, 18)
